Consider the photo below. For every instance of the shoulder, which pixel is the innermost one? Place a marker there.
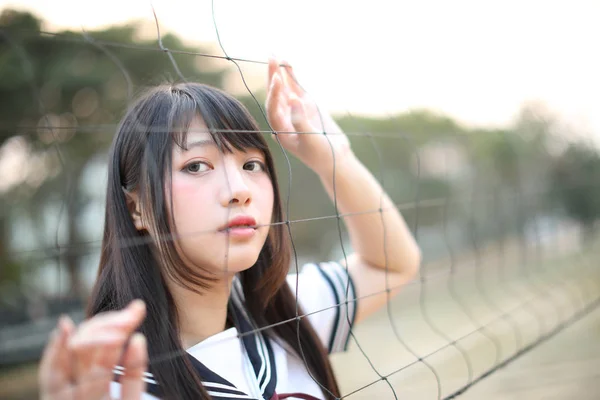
(326, 293)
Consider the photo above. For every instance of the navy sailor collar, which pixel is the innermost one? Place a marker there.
(257, 346)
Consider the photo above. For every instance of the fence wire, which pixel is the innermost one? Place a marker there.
(511, 282)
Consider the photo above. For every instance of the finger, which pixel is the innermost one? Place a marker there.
(111, 357)
(291, 80)
(96, 381)
(94, 358)
(135, 362)
(299, 119)
(97, 345)
(71, 389)
(99, 340)
(55, 368)
(273, 91)
(273, 65)
(99, 355)
(125, 321)
(95, 384)
(274, 111)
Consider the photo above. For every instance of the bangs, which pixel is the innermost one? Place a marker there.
(229, 123)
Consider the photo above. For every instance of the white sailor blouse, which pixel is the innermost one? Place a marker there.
(244, 363)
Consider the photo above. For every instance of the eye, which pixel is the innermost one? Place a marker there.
(196, 167)
(254, 166)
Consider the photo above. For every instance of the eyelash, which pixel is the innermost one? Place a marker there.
(260, 164)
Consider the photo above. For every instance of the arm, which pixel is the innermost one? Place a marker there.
(380, 239)
(394, 252)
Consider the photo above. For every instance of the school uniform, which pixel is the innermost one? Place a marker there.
(241, 363)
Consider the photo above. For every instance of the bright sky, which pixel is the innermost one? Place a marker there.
(477, 61)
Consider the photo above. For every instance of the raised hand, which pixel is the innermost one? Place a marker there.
(78, 362)
(302, 128)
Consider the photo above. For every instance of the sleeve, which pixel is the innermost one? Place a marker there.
(326, 294)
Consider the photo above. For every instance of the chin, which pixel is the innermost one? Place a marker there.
(238, 257)
(239, 264)
(230, 264)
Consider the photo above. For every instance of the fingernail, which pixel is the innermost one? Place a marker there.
(137, 303)
(64, 322)
(139, 339)
(276, 78)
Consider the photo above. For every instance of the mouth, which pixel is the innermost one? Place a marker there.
(240, 227)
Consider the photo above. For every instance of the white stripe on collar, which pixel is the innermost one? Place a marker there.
(265, 372)
(144, 378)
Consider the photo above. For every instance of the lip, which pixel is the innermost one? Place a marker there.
(240, 227)
(241, 221)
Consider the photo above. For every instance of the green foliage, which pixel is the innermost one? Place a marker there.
(83, 83)
(64, 94)
(576, 183)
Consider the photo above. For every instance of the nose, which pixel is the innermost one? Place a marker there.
(235, 189)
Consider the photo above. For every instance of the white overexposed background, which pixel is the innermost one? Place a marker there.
(476, 61)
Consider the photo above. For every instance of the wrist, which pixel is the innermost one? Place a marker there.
(338, 164)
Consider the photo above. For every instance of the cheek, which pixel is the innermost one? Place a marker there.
(268, 200)
(189, 204)
(271, 201)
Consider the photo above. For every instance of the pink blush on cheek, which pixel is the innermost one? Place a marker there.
(190, 201)
(183, 187)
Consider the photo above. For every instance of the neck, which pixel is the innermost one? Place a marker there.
(201, 315)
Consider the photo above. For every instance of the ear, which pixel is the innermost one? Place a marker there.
(133, 205)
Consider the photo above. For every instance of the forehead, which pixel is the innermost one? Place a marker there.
(195, 135)
(198, 131)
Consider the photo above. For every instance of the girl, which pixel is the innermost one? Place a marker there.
(195, 230)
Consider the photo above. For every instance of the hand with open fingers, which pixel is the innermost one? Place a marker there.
(78, 361)
(302, 128)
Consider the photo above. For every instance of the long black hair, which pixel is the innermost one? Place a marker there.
(135, 264)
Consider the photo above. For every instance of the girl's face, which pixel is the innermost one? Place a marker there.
(216, 197)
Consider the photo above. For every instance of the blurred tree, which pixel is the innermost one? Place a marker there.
(62, 94)
(576, 184)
